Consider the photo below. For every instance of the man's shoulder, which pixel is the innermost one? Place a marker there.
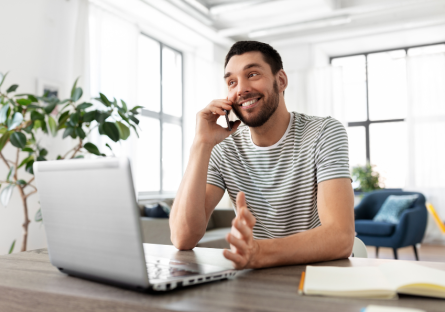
(308, 121)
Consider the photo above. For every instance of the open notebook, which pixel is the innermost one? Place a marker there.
(383, 282)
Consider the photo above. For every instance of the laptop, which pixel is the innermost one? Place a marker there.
(93, 229)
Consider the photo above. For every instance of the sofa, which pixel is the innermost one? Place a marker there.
(157, 230)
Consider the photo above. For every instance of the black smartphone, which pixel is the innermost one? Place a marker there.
(229, 126)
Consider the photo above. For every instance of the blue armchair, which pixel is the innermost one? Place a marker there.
(409, 230)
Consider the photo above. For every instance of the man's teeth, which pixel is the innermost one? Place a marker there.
(249, 102)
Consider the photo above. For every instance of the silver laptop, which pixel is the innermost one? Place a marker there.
(93, 230)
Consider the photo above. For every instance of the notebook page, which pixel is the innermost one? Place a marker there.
(349, 281)
(401, 274)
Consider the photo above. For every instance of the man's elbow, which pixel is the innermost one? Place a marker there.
(184, 240)
(183, 244)
(345, 244)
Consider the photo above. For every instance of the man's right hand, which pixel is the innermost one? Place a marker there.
(207, 130)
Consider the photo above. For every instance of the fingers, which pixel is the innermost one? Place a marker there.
(218, 106)
(239, 244)
(240, 201)
(238, 261)
(243, 229)
(247, 216)
(242, 211)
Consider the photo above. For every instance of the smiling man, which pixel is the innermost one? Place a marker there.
(287, 172)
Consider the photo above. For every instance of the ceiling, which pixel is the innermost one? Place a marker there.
(313, 21)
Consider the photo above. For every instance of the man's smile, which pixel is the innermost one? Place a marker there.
(250, 103)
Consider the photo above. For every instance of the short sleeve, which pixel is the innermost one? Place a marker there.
(331, 152)
(214, 175)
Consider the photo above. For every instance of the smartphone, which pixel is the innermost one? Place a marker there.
(229, 126)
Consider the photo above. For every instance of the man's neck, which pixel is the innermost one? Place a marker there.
(273, 130)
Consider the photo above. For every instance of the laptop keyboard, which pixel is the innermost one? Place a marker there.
(161, 268)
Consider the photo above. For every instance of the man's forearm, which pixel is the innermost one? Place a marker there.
(188, 218)
(323, 243)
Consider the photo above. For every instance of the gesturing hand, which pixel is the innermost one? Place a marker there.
(243, 248)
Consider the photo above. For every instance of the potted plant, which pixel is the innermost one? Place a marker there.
(22, 116)
(365, 178)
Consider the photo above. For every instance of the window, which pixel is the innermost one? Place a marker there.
(159, 151)
(376, 95)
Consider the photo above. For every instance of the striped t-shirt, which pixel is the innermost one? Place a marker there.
(280, 181)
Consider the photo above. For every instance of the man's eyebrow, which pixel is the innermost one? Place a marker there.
(228, 74)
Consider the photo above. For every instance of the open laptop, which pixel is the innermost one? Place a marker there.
(93, 230)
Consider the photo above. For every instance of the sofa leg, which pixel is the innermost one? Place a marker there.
(415, 252)
(395, 253)
(376, 251)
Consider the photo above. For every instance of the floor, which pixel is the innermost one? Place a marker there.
(433, 253)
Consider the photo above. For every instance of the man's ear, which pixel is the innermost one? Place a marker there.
(282, 80)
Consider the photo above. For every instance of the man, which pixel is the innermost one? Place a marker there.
(287, 172)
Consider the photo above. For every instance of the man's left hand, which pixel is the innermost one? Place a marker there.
(243, 248)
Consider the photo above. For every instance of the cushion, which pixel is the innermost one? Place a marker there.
(393, 207)
(158, 210)
(374, 228)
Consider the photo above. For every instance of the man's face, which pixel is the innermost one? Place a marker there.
(253, 88)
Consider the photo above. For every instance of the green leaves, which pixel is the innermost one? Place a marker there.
(52, 125)
(28, 167)
(16, 120)
(89, 116)
(80, 133)
(73, 89)
(111, 130)
(2, 78)
(83, 106)
(50, 107)
(18, 139)
(35, 115)
(104, 100)
(74, 119)
(38, 216)
(134, 109)
(368, 179)
(134, 119)
(4, 139)
(24, 102)
(22, 115)
(124, 131)
(11, 249)
(27, 149)
(6, 194)
(4, 113)
(12, 88)
(90, 147)
(10, 173)
(102, 116)
(62, 119)
(68, 132)
(26, 160)
(76, 95)
(124, 106)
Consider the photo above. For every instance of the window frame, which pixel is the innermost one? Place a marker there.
(164, 118)
(368, 122)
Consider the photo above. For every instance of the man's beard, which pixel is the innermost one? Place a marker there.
(269, 107)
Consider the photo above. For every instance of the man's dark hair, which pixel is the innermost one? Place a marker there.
(270, 55)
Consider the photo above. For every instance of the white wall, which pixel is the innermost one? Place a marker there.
(37, 43)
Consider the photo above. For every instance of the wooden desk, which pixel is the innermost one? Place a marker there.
(28, 282)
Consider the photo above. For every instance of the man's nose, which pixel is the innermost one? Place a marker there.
(243, 87)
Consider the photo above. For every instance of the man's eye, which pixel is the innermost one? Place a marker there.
(231, 82)
(252, 74)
